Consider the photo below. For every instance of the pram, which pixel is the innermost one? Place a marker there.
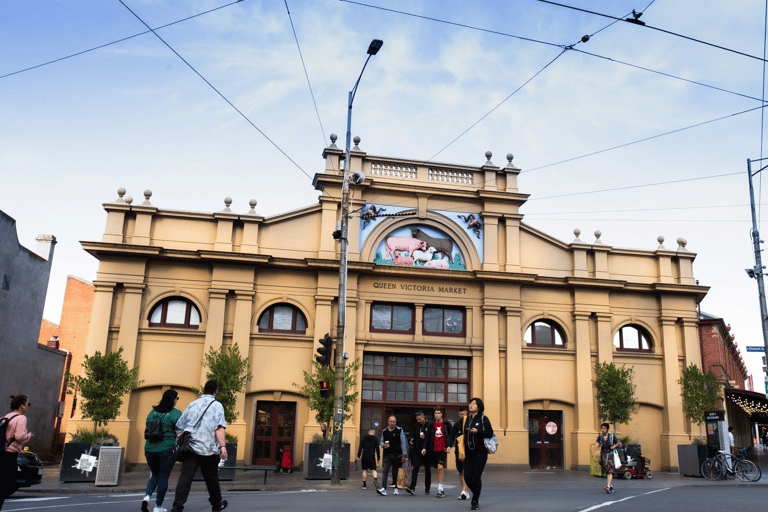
(634, 465)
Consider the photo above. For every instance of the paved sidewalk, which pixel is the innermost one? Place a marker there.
(135, 479)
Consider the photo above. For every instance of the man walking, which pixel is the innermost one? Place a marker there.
(419, 454)
(204, 419)
(438, 446)
(457, 427)
(395, 451)
(371, 455)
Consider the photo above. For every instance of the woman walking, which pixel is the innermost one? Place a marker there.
(476, 429)
(606, 443)
(160, 454)
(16, 436)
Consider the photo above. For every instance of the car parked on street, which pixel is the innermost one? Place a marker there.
(30, 469)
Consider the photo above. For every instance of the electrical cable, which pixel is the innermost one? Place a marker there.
(635, 186)
(118, 41)
(290, 18)
(218, 92)
(645, 139)
(641, 24)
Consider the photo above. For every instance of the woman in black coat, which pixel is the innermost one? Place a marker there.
(476, 429)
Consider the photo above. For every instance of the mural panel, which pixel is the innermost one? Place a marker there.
(417, 245)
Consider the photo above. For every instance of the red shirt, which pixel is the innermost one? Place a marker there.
(439, 429)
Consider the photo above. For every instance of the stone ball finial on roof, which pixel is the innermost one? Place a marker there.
(334, 138)
(681, 243)
(147, 195)
(510, 157)
(661, 247)
(488, 156)
(576, 233)
(227, 203)
(356, 140)
(252, 204)
(128, 200)
(598, 234)
(120, 194)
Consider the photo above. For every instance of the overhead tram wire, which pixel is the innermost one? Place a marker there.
(644, 140)
(119, 40)
(290, 18)
(644, 25)
(218, 92)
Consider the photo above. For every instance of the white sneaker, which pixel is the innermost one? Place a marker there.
(160, 509)
(397, 491)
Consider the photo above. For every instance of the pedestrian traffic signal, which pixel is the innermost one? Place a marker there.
(324, 390)
(325, 350)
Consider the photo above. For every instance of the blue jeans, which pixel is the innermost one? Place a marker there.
(161, 464)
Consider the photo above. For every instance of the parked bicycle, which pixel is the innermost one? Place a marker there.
(723, 464)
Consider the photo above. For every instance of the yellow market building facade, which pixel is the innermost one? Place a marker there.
(450, 296)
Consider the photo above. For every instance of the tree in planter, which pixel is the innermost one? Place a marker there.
(615, 393)
(324, 406)
(105, 381)
(232, 372)
(700, 392)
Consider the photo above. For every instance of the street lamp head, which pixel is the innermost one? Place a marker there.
(375, 46)
(750, 272)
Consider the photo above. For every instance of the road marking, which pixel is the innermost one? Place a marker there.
(61, 505)
(608, 503)
(37, 499)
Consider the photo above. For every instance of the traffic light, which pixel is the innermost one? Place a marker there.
(324, 390)
(325, 350)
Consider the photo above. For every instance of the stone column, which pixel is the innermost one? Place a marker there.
(584, 413)
(691, 341)
(673, 425)
(491, 241)
(491, 373)
(127, 338)
(214, 332)
(100, 317)
(241, 336)
(604, 339)
(513, 243)
(517, 428)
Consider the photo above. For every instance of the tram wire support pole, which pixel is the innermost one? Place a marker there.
(757, 271)
(338, 403)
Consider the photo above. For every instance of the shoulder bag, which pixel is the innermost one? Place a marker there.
(460, 441)
(182, 441)
(491, 443)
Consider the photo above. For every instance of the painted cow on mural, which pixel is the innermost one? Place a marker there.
(442, 245)
(402, 243)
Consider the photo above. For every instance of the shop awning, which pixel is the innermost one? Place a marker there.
(750, 402)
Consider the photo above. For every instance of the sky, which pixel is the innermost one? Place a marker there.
(639, 132)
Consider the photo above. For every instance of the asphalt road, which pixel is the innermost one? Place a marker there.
(566, 496)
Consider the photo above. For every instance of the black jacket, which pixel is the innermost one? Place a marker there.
(397, 443)
(429, 442)
(473, 443)
(369, 448)
(417, 442)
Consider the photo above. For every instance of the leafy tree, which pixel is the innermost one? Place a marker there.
(700, 392)
(324, 406)
(232, 372)
(105, 381)
(615, 393)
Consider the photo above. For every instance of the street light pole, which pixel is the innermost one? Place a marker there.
(757, 270)
(338, 403)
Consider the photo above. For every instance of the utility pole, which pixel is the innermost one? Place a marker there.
(757, 271)
(340, 392)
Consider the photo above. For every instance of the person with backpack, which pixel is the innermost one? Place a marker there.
(13, 436)
(160, 435)
(476, 429)
(606, 443)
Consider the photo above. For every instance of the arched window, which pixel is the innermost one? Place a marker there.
(543, 333)
(283, 318)
(632, 338)
(176, 312)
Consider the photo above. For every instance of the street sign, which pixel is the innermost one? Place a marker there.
(755, 349)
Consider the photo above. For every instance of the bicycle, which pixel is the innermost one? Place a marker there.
(723, 464)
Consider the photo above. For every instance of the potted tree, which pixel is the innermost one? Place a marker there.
(318, 452)
(232, 371)
(105, 380)
(700, 393)
(615, 393)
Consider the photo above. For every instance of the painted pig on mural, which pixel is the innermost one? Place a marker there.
(402, 243)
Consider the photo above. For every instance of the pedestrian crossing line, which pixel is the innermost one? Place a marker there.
(608, 503)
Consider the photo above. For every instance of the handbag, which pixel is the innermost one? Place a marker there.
(153, 431)
(491, 443)
(183, 440)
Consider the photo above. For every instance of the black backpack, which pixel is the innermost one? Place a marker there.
(4, 431)
(153, 432)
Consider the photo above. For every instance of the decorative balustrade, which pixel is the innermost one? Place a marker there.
(393, 171)
(447, 176)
